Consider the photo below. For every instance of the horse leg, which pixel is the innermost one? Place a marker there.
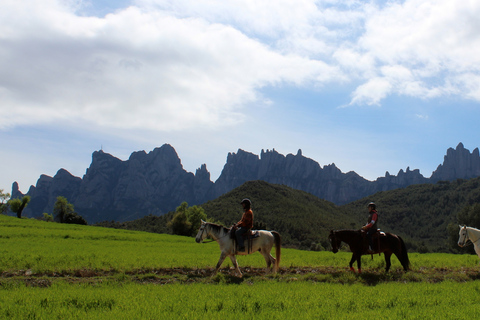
(477, 249)
(352, 261)
(219, 263)
(235, 264)
(387, 260)
(359, 262)
(269, 259)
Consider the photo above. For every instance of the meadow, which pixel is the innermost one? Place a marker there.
(59, 271)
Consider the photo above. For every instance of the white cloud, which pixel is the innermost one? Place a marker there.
(421, 116)
(136, 68)
(372, 92)
(434, 42)
(171, 65)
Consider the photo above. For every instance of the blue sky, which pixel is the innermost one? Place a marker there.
(372, 86)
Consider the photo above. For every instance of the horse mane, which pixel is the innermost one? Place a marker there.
(347, 231)
(217, 228)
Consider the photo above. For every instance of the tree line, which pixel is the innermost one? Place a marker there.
(63, 211)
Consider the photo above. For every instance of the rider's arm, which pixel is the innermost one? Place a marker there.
(371, 223)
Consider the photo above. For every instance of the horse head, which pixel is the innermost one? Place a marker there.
(462, 236)
(202, 233)
(334, 242)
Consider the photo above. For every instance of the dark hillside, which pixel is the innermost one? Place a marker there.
(302, 219)
(421, 213)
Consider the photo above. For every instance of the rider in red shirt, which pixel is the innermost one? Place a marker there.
(371, 226)
(245, 224)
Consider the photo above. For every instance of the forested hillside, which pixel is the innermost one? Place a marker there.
(421, 214)
(302, 219)
(426, 216)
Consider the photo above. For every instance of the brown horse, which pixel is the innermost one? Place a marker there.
(388, 243)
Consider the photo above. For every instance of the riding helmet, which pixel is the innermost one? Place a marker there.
(372, 204)
(247, 203)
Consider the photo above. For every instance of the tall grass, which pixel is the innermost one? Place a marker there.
(261, 300)
(439, 285)
(46, 247)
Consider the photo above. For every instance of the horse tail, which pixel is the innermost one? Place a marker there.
(404, 254)
(278, 249)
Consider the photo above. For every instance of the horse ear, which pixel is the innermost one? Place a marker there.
(202, 221)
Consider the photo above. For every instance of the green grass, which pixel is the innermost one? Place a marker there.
(57, 271)
(46, 247)
(260, 300)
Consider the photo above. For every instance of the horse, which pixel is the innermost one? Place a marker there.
(263, 243)
(469, 234)
(387, 243)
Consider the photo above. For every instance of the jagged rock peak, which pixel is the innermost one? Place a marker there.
(100, 156)
(241, 154)
(458, 163)
(63, 173)
(202, 172)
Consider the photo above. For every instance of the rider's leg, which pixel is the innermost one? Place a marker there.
(239, 234)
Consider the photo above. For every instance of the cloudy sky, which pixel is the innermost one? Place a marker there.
(372, 86)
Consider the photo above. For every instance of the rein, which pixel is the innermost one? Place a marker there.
(213, 239)
(467, 238)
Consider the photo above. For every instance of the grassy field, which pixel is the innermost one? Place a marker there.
(57, 271)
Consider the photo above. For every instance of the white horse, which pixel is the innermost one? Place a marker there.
(469, 234)
(263, 243)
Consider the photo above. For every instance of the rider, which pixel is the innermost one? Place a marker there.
(371, 226)
(245, 224)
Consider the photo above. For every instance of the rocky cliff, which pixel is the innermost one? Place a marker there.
(156, 183)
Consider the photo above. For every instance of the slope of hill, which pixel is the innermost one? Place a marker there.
(420, 214)
(301, 218)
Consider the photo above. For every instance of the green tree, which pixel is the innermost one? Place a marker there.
(4, 201)
(47, 217)
(470, 216)
(74, 218)
(17, 205)
(179, 224)
(62, 208)
(195, 215)
(186, 221)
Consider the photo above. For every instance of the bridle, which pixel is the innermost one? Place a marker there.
(203, 227)
(467, 238)
(333, 240)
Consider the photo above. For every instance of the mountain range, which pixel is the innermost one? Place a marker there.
(155, 183)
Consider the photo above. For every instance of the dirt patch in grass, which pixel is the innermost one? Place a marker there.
(227, 275)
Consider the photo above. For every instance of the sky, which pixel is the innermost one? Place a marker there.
(371, 86)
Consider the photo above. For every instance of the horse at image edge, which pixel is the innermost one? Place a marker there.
(469, 234)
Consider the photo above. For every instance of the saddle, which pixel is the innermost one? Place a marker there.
(249, 235)
(375, 239)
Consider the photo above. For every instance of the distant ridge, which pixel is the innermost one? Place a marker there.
(156, 183)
